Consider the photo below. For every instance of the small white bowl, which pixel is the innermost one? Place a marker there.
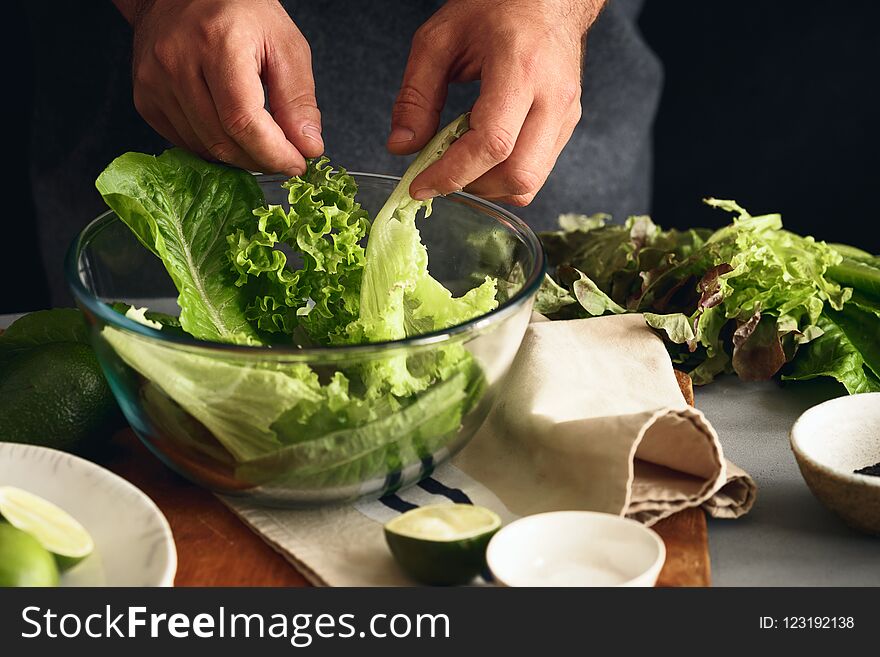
(831, 440)
(575, 548)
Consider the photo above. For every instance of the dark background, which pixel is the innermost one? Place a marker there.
(771, 103)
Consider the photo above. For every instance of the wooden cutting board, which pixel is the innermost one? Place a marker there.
(214, 548)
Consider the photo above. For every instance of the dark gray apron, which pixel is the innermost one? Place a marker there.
(83, 114)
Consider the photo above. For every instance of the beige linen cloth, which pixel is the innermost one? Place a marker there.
(590, 417)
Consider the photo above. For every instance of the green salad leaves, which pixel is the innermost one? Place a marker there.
(324, 225)
(750, 298)
(296, 275)
(181, 209)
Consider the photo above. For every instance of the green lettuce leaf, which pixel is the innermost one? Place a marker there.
(860, 275)
(552, 297)
(182, 208)
(41, 328)
(398, 297)
(677, 327)
(274, 419)
(397, 261)
(324, 227)
(279, 424)
(749, 297)
(385, 441)
(592, 299)
(835, 354)
(238, 401)
(45, 327)
(166, 322)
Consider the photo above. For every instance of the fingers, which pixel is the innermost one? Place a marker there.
(416, 113)
(237, 94)
(159, 121)
(517, 180)
(292, 100)
(202, 121)
(496, 121)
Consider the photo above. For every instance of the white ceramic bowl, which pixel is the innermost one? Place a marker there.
(575, 548)
(831, 440)
(133, 542)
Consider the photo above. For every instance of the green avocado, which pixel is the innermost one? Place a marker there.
(56, 395)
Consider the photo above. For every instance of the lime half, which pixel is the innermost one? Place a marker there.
(55, 529)
(443, 544)
(23, 561)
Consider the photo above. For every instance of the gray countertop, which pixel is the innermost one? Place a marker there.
(788, 539)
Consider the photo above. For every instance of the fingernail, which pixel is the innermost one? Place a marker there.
(313, 132)
(400, 135)
(425, 193)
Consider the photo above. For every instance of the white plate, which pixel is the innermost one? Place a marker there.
(575, 548)
(133, 542)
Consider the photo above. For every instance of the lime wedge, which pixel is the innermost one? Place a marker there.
(55, 529)
(23, 561)
(443, 544)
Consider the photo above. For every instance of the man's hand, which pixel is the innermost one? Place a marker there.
(199, 67)
(527, 55)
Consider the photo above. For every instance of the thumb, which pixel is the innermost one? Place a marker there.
(416, 113)
(291, 90)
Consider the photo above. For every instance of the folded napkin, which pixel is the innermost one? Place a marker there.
(590, 417)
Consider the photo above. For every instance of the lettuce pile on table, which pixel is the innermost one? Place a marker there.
(750, 298)
(227, 252)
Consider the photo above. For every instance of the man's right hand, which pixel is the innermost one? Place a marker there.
(199, 67)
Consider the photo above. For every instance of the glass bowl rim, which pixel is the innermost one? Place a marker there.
(117, 320)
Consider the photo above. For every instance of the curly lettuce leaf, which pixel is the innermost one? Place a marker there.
(181, 209)
(623, 259)
(750, 297)
(324, 227)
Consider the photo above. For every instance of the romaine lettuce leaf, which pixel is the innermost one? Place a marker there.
(394, 437)
(238, 401)
(835, 353)
(399, 297)
(182, 208)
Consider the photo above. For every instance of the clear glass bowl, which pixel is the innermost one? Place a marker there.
(208, 409)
